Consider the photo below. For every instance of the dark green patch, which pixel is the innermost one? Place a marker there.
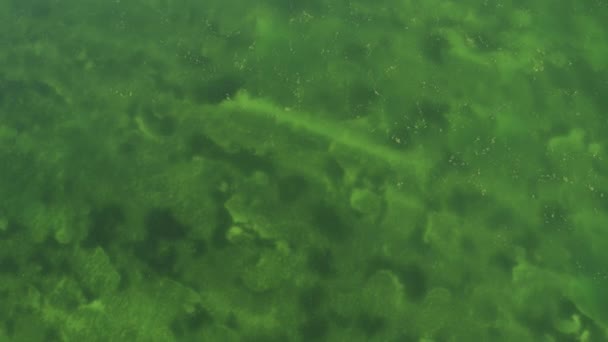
(314, 329)
(199, 247)
(503, 262)
(311, 300)
(29, 104)
(224, 222)
(245, 160)
(554, 217)
(104, 224)
(435, 47)
(370, 324)
(360, 97)
(188, 323)
(161, 224)
(216, 90)
(161, 256)
(320, 261)
(411, 275)
(159, 249)
(334, 170)
(484, 42)
(159, 121)
(468, 246)
(330, 224)
(432, 111)
(466, 201)
(248, 161)
(232, 321)
(292, 187)
(52, 258)
(355, 52)
(291, 7)
(415, 280)
(9, 265)
(528, 239)
(200, 144)
(501, 218)
(593, 83)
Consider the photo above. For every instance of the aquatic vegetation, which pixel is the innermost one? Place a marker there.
(302, 171)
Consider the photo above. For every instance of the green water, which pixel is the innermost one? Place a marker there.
(283, 170)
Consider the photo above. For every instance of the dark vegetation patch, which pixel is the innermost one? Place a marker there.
(105, 222)
(408, 337)
(202, 145)
(466, 201)
(125, 278)
(414, 279)
(411, 275)
(361, 97)
(311, 300)
(52, 258)
(247, 161)
(593, 83)
(292, 187)
(370, 324)
(320, 261)
(193, 58)
(355, 52)
(468, 245)
(267, 337)
(554, 217)
(240, 39)
(216, 90)
(334, 170)
(159, 250)
(503, 262)
(32, 8)
(189, 323)
(53, 335)
(291, 7)
(224, 221)
(12, 228)
(501, 218)
(166, 86)
(29, 103)
(160, 256)
(128, 147)
(435, 47)
(199, 247)
(314, 329)
(484, 42)
(161, 224)
(538, 319)
(423, 117)
(159, 120)
(232, 321)
(528, 239)
(416, 239)
(432, 111)
(330, 223)
(9, 265)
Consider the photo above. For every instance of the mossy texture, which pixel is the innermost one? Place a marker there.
(283, 170)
